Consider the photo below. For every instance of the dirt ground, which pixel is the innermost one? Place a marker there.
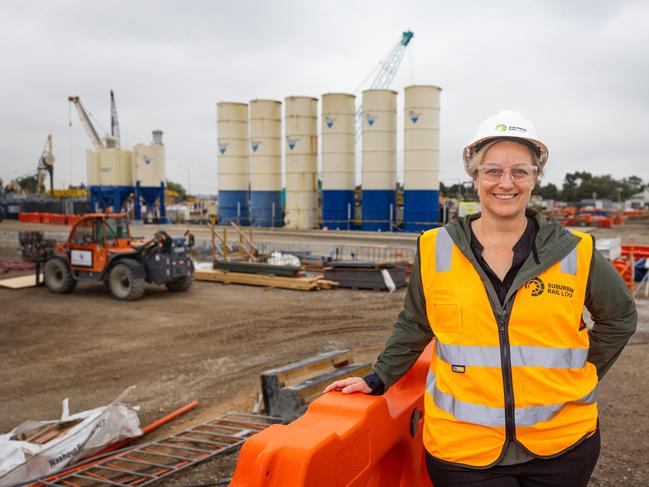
(212, 343)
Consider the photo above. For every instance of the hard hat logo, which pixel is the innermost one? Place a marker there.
(501, 127)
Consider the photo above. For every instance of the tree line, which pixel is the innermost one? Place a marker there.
(577, 186)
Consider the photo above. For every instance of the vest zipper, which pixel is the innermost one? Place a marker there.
(505, 357)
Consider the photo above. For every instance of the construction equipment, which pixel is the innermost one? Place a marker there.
(388, 68)
(100, 249)
(114, 123)
(85, 121)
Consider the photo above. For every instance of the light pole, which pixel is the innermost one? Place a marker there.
(189, 179)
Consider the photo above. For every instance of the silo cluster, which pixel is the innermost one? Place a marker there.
(116, 176)
(260, 187)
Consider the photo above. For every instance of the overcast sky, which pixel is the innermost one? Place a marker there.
(578, 69)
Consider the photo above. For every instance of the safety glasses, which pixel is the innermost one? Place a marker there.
(519, 173)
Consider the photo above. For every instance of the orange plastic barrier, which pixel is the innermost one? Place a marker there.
(23, 217)
(45, 217)
(637, 251)
(57, 219)
(345, 440)
(71, 219)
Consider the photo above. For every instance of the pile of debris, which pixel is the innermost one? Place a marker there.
(368, 275)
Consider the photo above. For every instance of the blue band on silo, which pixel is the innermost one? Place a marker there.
(233, 207)
(338, 208)
(420, 209)
(376, 209)
(266, 209)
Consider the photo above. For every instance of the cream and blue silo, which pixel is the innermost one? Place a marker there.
(338, 131)
(379, 164)
(265, 154)
(301, 119)
(110, 177)
(421, 157)
(149, 179)
(232, 154)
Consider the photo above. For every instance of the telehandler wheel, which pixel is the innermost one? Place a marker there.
(180, 284)
(58, 277)
(123, 283)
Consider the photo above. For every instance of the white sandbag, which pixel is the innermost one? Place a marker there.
(279, 258)
(23, 461)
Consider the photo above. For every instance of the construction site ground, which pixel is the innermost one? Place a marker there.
(212, 343)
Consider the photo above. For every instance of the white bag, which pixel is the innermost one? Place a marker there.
(23, 461)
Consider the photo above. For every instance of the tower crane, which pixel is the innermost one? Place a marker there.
(114, 123)
(87, 124)
(387, 71)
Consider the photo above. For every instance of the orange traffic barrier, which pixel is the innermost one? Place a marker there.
(345, 440)
(23, 217)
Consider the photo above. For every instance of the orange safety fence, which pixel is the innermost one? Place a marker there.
(345, 441)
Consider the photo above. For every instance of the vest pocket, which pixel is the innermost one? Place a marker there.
(451, 308)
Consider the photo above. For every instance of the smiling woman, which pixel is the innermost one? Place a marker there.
(511, 394)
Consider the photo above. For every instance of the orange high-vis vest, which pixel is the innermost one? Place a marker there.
(521, 370)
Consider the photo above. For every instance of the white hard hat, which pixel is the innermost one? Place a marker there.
(506, 124)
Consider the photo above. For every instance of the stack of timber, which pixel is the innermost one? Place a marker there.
(366, 275)
(265, 280)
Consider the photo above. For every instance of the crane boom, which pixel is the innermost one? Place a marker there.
(85, 121)
(387, 72)
(114, 123)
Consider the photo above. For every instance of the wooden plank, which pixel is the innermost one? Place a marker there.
(299, 283)
(21, 282)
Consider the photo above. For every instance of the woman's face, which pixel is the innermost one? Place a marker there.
(505, 196)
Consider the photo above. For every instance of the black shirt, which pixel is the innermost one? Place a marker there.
(522, 250)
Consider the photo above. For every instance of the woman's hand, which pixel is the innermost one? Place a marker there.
(349, 385)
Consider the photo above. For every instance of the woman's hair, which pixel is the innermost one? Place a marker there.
(476, 160)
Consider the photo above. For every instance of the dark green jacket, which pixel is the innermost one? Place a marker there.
(608, 300)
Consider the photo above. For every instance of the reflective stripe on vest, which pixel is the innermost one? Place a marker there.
(443, 251)
(521, 356)
(569, 263)
(489, 416)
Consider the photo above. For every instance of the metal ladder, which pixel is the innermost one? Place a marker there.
(149, 462)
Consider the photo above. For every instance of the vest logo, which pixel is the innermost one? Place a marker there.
(537, 286)
(458, 369)
(560, 290)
